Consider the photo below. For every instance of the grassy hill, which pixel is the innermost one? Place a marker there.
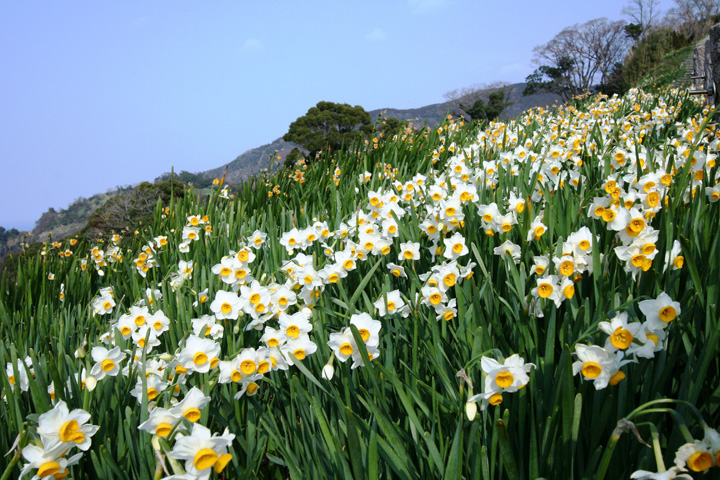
(258, 159)
(513, 302)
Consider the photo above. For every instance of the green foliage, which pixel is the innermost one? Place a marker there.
(634, 30)
(388, 127)
(329, 126)
(402, 415)
(497, 102)
(293, 157)
(188, 178)
(551, 78)
(648, 53)
(133, 209)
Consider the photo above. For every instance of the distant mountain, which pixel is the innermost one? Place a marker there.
(255, 160)
(59, 224)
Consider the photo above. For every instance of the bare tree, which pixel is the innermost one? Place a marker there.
(587, 54)
(644, 13)
(471, 94)
(693, 17)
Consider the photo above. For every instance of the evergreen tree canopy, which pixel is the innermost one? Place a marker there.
(329, 125)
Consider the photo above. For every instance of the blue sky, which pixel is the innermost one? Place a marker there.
(101, 94)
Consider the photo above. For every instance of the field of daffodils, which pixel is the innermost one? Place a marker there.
(530, 299)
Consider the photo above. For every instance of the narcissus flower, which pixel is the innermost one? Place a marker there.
(47, 461)
(696, 456)
(226, 305)
(203, 450)
(671, 474)
(409, 251)
(597, 364)
(199, 354)
(621, 333)
(107, 362)
(60, 426)
(659, 312)
(161, 422)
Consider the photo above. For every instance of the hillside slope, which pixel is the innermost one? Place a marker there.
(255, 160)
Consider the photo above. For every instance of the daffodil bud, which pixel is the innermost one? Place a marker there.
(470, 410)
(156, 443)
(328, 371)
(166, 357)
(236, 329)
(90, 383)
(80, 352)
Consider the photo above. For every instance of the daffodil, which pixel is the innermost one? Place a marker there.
(161, 422)
(199, 354)
(191, 405)
(48, 462)
(409, 251)
(392, 303)
(696, 456)
(598, 365)
(107, 362)
(660, 311)
(60, 426)
(621, 333)
(670, 474)
(226, 305)
(295, 324)
(202, 450)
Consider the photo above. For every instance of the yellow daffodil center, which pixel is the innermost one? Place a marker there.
(569, 291)
(495, 399)
(617, 378)
(205, 459)
(292, 331)
(591, 370)
(107, 365)
(667, 314)
(504, 379)
(248, 367)
(226, 308)
(192, 414)
(223, 460)
(200, 358)
(700, 461)
(545, 290)
(299, 353)
(364, 334)
(346, 349)
(140, 320)
(435, 298)
(152, 393)
(163, 429)
(263, 367)
(621, 338)
(567, 268)
(47, 469)
(679, 261)
(68, 431)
